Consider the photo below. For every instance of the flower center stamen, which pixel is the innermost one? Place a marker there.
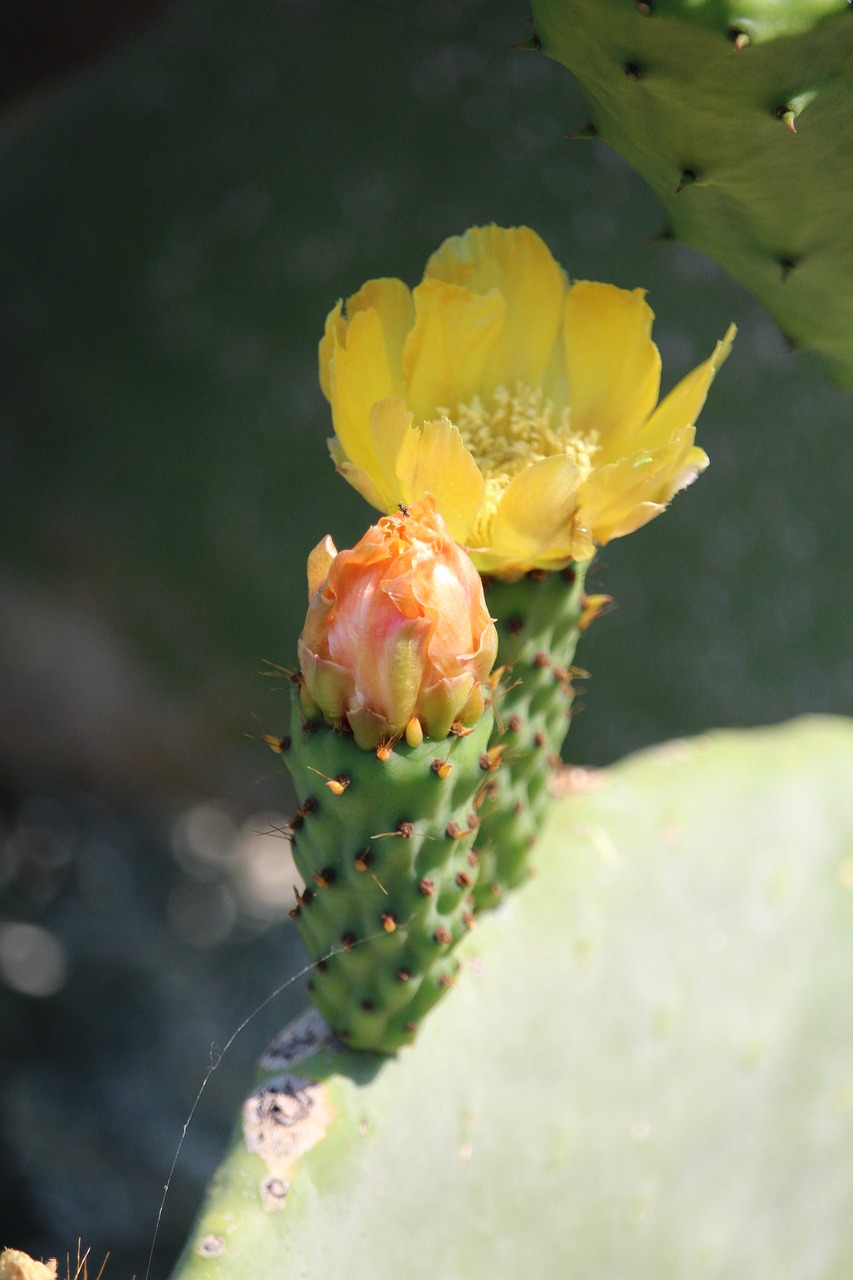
(512, 431)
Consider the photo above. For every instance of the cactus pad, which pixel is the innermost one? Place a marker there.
(740, 117)
(538, 621)
(385, 847)
(646, 1073)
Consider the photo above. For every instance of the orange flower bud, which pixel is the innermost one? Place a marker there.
(397, 630)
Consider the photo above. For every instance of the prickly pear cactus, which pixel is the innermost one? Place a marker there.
(646, 1071)
(538, 621)
(384, 843)
(740, 117)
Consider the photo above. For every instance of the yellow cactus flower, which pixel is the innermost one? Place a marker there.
(398, 638)
(527, 406)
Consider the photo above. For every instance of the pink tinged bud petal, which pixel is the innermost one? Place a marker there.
(397, 631)
(319, 563)
(474, 707)
(326, 685)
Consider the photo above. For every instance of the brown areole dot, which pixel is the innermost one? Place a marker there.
(324, 878)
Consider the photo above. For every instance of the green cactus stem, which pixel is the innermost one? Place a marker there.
(740, 117)
(538, 621)
(385, 844)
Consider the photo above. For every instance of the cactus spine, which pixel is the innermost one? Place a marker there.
(384, 842)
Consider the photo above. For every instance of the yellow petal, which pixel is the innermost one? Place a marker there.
(363, 484)
(619, 497)
(613, 366)
(334, 334)
(693, 465)
(391, 299)
(360, 373)
(517, 263)
(612, 492)
(682, 406)
(448, 349)
(533, 523)
(636, 518)
(432, 460)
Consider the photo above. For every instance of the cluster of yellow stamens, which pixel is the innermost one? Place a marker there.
(508, 433)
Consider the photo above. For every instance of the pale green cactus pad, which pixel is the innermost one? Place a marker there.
(646, 1069)
(740, 117)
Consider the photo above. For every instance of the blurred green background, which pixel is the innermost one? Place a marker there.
(177, 216)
